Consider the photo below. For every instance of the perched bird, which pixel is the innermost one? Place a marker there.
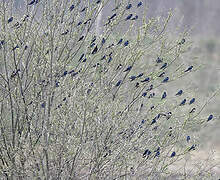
(32, 2)
(97, 2)
(126, 43)
(187, 138)
(143, 121)
(193, 147)
(129, 6)
(15, 47)
(159, 60)
(144, 94)
(70, 72)
(93, 39)
(92, 45)
(64, 73)
(10, 19)
(164, 95)
(146, 80)
(137, 85)
(147, 152)
(128, 68)
(140, 75)
(139, 4)
(182, 41)
(103, 41)
(183, 102)
(81, 38)
(134, 18)
(189, 69)
(162, 74)
(79, 23)
(112, 16)
(210, 117)
(71, 7)
(128, 17)
(192, 100)
(192, 110)
(95, 50)
(173, 154)
(165, 80)
(132, 78)
(164, 66)
(153, 121)
(179, 93)
(118, 83)
(81, 57)
(83, 9)
(120, 41)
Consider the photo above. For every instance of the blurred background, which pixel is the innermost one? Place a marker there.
(202, 16)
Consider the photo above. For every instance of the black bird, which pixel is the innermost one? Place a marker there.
(134, 18)
(83, 9)
(192, 100)
(183, 102)
(93, 39)
(97, 2)
(140, 75)
(132, 78)
(112, 16)
(162, 74)
(10, 19)
(137, 85)
(143, 121)
(81, 38)
(159, 60)
(79, 23)
(126, 43)
(70, 72)
(189, 69)
(139, 4)
(153, 121)
(147, 152)
(103, 41)
(146, 80)
(128, 68)
(164, 95)
(15, 47)
(95, 50)
(182, 41)
(173, 154)
(71, 7)
(187, 138)
(193, 147)
(128, 6)
(179, 93)
(164, 66)
(64, 73)
(65, 33)
(120, 41)
(128, 17)
(118, 83)
(32, 2)
(210, 117)
(165, 80)
(193, 110)
(81, 57)
(144, 94)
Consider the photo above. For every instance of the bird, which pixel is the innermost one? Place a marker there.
(164, 66)
(64, 73)
(173, 154)
(182, 41)
(162, 74)
(189, 69)
(144, 94)
(10, 19)
(210, 117)
(128, 68)
(153, 121)
(147, 152)
(79, 23)
(193, 147)
(139, 4)
(118, 83)
(165, 80)
(31, 3)
(95, 50)
(192, 100)
(126, 43)
(83, 9)
(97, 2)
(103, 40)
(113, 16)
(159, 60)
(71, 7)
(183, 102)
(65, 33)
(128, 17)
(43, 105)
(143, 121)
(140, 75)
(146, 80)
(134, 18)
(188, 138)
(81, 57)
(164, 95)
(132, 78)
(129, 6)
(81, 38)
(120, 41)
(192, 110)
(179, 93)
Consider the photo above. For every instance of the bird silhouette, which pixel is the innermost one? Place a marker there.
(71, 7)
(165, 80)
(139, 4)
(164, 95)
(179, 93)
(183, 102)
(120, 41)
(129, 6)
(163, 66)
(128, 68)
(210, 117)
(162, 74)
(95, 50)
(189, 69)
(173, 154)
(134, 18)
(10, 19)
(126, 43)
(118, 83)
(192, 110)
(32, 2)
(140, 75)
(192, 101)
(146, 80)
(187, 138)
(132, 78)
(128, 17)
